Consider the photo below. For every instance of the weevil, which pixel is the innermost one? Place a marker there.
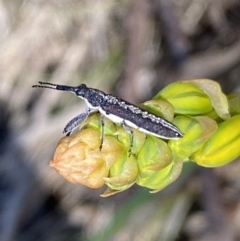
(118, 111)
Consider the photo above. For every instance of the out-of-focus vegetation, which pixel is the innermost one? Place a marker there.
(129, 48)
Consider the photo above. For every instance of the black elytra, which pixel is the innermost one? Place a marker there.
(117, 110)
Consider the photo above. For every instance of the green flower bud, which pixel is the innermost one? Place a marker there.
(154, 155)
(222, 147)
(213, 90)
(160, 108)
(94, 121)
(186, 98)
(125, 138)
(123, 173)
(196, 131)
(155, 164)
(157, 180)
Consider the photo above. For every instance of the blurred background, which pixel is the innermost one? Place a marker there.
(131, 49)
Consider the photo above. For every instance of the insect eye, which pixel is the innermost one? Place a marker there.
(81, 90)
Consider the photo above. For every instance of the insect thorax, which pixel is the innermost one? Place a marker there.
(94, 98)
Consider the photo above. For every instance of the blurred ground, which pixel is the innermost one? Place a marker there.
(130, 48)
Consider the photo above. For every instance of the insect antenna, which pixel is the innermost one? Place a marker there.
(54, 86)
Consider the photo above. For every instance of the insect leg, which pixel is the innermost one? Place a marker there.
(130, 131)
(76, 121)
(102, 130)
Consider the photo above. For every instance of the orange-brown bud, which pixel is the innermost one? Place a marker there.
(79, 159)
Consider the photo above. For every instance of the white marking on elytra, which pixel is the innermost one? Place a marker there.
(113, 118)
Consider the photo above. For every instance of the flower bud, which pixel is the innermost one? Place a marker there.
(155, 164)
(160, 108)
(222, 147)
(123, 173)
(214, 92)
(196, 131)
(125, 138)
(186, 98)
(154, 155)
(157, 180)
(79, 159)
